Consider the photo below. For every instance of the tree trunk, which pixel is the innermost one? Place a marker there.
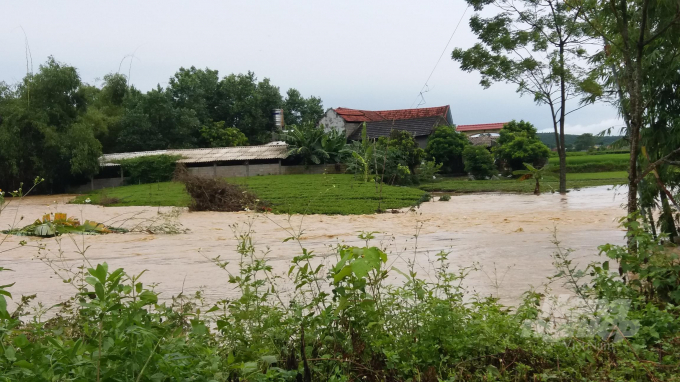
(563, 104)
(668, 225)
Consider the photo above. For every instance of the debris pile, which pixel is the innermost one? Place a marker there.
(59, 223)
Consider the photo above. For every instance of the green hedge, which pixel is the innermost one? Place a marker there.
(149, 169)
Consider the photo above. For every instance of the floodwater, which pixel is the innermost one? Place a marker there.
(508, 235)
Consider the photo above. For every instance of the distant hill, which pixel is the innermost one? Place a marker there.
(549, 139)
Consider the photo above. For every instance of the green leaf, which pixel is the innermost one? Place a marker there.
(148, 297)
(269, 359)
(344, 272)
(20, 341)
(213, 309)
(10, 354)
(23, 364)
(99, 290)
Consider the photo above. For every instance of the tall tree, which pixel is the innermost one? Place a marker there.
(584, 142)
(639, 57)
(44, 131)
(299, 110)
(535, 45)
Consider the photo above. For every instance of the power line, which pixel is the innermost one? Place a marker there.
(425, 86)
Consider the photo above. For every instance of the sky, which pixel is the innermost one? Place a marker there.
(372, 55)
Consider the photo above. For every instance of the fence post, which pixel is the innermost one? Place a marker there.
(214, 170)
(280, 167)
(247, 169)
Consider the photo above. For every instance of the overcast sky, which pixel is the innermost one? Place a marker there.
(359, 54)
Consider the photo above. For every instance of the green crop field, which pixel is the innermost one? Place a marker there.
(153, 194)
(304, 194)
(580, 180)
(593, 163)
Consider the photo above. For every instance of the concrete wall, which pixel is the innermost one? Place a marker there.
(98, 184)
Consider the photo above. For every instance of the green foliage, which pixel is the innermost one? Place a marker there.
(299, 111)
(46, 129)
(150, 169)
(446, 146)
(361, 155)
(53, 124)
(397, 158)
(216, 135)
(537, 174)
(479, 162)
(584, 142)
(309, 144)
(427, 171)
(518, 144)
(445, 198)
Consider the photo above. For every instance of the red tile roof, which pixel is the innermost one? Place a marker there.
(353, 115)
(481, 126)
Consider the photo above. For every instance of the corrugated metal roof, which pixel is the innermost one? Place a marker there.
(481, 126)
(217, 154)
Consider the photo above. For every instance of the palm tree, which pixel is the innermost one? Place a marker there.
(534, 173)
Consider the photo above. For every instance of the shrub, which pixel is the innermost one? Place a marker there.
(446, 146)
(428, 170)
(150, 169)
(445, 198)
(479, 162)
(519, 144)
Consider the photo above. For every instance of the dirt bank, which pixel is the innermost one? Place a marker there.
(509, 233)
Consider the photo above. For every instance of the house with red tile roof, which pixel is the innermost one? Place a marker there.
(419, 122)
(482, 128)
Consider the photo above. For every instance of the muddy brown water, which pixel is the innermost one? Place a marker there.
(507, 235)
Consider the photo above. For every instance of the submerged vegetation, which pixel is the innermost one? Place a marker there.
(303, 194)
(60, 224)
(574, 181)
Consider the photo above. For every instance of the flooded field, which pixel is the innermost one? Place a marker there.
(507, 235)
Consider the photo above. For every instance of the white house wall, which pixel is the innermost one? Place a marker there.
(332, 121)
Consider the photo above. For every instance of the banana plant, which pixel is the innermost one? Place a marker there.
(538, 174)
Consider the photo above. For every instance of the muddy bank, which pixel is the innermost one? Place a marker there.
(508, 235)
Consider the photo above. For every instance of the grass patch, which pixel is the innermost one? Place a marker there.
(297, 194)
(598, 175)
(327, 194)
(579, 180)
(594, 163)
(164, 194)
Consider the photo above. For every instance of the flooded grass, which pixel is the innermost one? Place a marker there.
(574, 181)
(295, 194)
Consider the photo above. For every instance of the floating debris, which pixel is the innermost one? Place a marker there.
(59, 224)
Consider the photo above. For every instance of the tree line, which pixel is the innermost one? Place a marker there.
(568, 54)
(55, 125)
